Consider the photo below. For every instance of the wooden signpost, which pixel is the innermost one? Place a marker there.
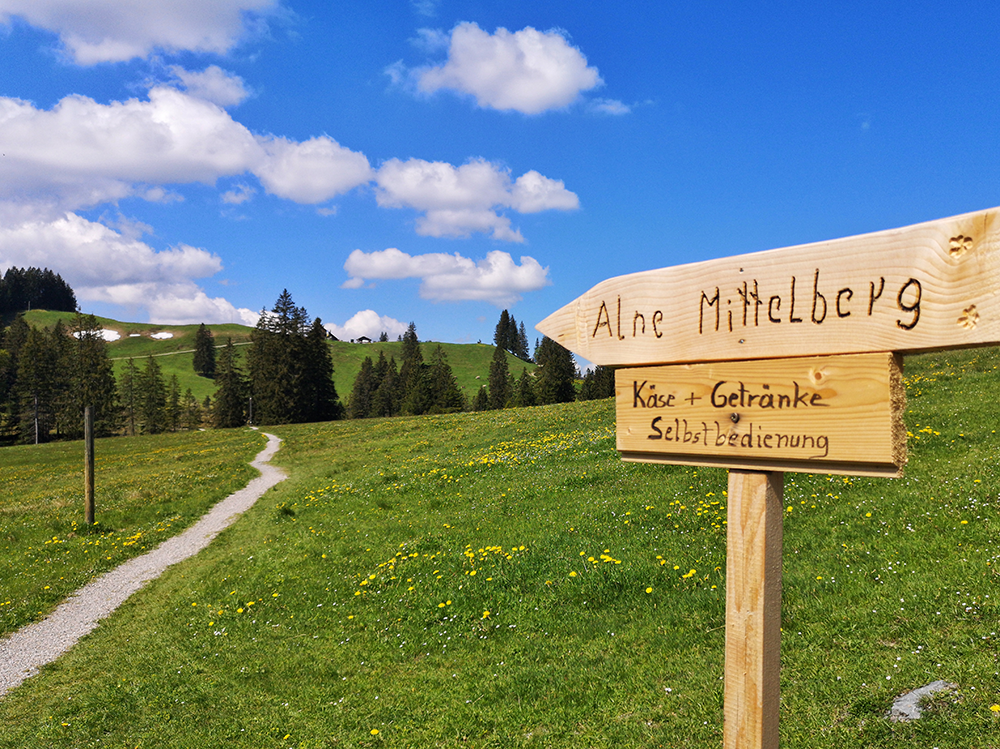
(785, 360)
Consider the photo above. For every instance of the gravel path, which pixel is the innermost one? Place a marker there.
(24, 652)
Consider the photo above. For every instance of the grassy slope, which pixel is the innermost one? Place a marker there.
(469, 362)
(504, 580)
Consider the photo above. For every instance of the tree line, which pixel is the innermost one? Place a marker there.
(48, 376)
(416, 387)
(22, 289)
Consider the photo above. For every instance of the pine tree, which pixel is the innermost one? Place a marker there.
(152, 401)
(41, 380)
(12, 342)
(415, 389)
(360, 405)
(230, 409)
(482, 400)
(598, 383)
(291, 372)
(501, 387)
(92, 381)
(317, 392)
(522, 344)
(524, 392)
(556, 373)
(190, 412)
(128, 397)
(446, 397)
(172, 408)
(501, 334)
(386, 399)
(204, 352)
(272, 362)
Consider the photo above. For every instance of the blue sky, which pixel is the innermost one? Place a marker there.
(431, 161)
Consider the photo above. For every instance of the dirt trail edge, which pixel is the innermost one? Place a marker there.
(24, 652)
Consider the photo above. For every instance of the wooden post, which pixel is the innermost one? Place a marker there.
(88, 465)
(753, 609)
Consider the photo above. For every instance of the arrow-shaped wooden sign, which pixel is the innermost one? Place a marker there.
(928, 286)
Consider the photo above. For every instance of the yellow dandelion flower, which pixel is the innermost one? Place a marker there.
(649, 590)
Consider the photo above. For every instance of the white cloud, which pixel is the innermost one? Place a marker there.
(458, 201)
(425, 7)
(528, 71)
(609, 106)
(431, 40)
(213, 84)
(312, 171)
(367, 323)
(533, 193)
(451, 278)
(241, 193)
(105, 265)
(82, 153)
(118, 30)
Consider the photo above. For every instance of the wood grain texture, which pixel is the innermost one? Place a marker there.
(929, 286)
(835, 414)
(753, 610)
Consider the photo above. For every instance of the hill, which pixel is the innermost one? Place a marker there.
(175, 344)
(503, 579)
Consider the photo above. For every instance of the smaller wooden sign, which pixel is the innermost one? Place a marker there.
(832, 414)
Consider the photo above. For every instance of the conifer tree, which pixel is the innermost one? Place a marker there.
(190, 411)
(360, 405)
(204, 352)
(556, 373)
(446, 397)
(172, 408)
(415, 389)
(524, 392)
(92, 381)
(482, 400)
(522, 344)
(230, 409)
(152, 392)
(41, 380)
(291, 372)
(501, 334)
(128, 397)
(272, 361)
(386, 399)
(11, 343)
(501, 387)
(598, 383)
(317, 391)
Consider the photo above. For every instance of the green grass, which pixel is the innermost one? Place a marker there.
(345, 603)
(146, 489)
(470, 363)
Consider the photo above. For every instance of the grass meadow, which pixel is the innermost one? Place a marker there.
(502, 579)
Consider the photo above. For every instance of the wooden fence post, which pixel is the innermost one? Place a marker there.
(88, 465)
(753, 609)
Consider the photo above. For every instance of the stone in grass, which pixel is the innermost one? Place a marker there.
(906, 707)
